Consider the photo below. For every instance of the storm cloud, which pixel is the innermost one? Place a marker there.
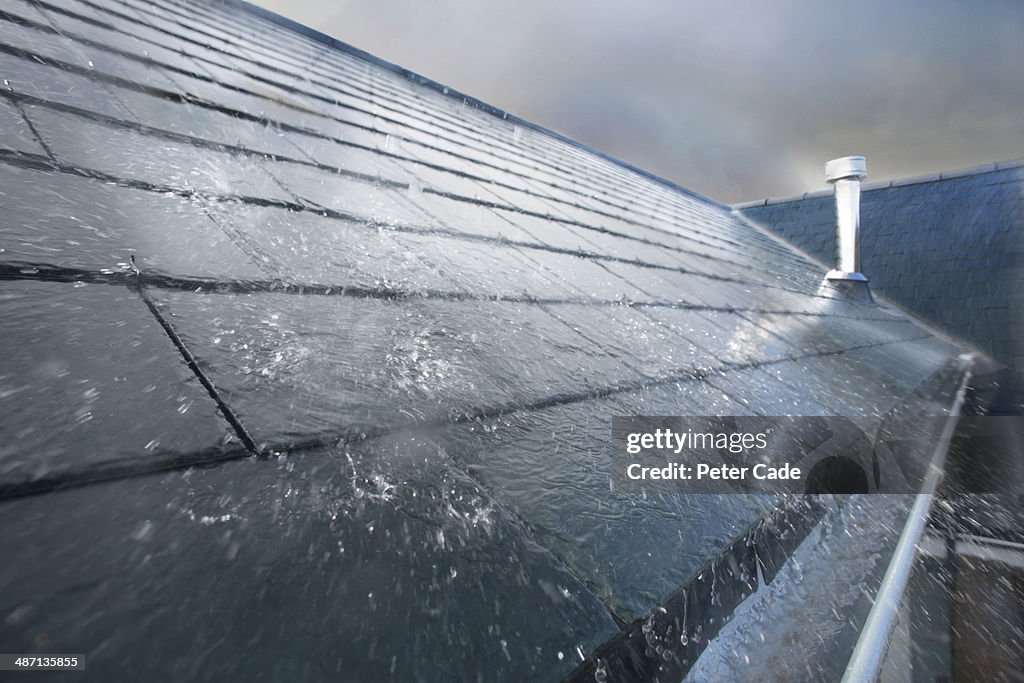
(736, 100)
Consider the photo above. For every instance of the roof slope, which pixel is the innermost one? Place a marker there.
(948, 247)
(223, 238)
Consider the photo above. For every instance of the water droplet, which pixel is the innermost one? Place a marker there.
(143, 532)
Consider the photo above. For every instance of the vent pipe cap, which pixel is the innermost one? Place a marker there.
(846, 167)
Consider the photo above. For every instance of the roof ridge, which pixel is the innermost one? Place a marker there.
(885, 184)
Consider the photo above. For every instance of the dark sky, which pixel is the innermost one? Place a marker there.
(737, 100)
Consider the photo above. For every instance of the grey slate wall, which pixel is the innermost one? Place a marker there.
(949, 248)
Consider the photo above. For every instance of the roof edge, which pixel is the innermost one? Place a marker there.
(885, 184)
(447, 91)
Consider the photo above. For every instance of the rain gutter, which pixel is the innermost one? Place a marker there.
(869, 654)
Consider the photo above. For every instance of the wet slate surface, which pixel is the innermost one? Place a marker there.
(29, 77)
(366, 564)
(347, 253)
(161, 161)
(15, 134)
(93, 384)
(553, 466)
(306, 366)
(67, 221)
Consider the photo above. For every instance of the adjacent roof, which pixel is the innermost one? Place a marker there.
(948, 247)
(311, 360)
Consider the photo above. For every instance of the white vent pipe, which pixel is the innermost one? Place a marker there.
(846, 174)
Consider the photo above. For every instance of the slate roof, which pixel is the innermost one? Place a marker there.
(948, 247)
(351, 415)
